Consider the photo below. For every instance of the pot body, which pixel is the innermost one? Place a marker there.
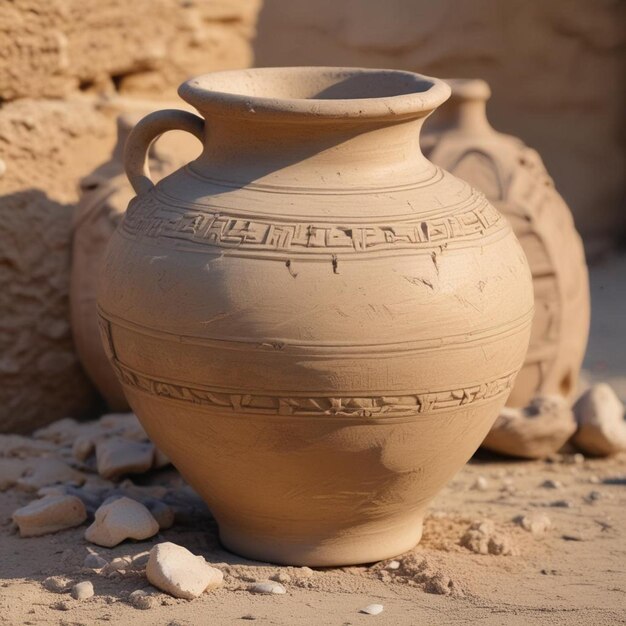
(105, 194)
(318, 354)
(514, 179)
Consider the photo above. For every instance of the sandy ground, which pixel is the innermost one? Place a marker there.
(574, 573)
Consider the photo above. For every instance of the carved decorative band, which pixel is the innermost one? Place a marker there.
(149, 217)
(368, 406)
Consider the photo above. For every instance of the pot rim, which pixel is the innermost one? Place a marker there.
(380, 94)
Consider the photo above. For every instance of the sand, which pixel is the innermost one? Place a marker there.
(574, 574)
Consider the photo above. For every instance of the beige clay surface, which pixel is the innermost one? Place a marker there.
(105, 194)
(316, 324)
(460, 139)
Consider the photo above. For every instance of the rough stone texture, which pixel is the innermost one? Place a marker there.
(180, 573)
(483, 538)
(533, 432)
(82, 590)
(119, 520)
(556, 69)
(116, 457)
(87, 53)
(601, 425)
(49, 515)
(54, 47)
(48, 471)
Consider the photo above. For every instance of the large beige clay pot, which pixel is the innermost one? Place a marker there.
(315, 324)
(460, 139)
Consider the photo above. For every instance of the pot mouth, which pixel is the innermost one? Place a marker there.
(316, 93)
(469, 88)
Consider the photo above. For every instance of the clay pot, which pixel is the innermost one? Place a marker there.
(104, 196)
(460, 139)
(315, 324)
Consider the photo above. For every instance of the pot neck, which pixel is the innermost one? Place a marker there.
(326, 154)
(466, 110)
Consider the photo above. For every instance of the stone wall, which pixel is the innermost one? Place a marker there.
(67, 67)
(556, 67)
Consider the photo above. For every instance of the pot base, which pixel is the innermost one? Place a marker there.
(352, 548)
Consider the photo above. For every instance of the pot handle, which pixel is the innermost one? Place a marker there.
(146, 131)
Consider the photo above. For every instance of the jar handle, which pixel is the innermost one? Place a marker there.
(146, 131)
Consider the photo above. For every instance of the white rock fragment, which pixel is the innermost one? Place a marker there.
(23, 447)
(372, 609)
(480, 484)
(46, 471)
(61, 431)
(82, 590)
(49, 515)
(116, 457)
(269, 587)
(537, 524)
(535, 431)
(393, 565)
(141, 600)
(119, 520)
(11, 470)
(180, 573)
(601, 426)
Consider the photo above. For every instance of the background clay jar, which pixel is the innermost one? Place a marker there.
(105, 194)
(513, 177)
(316, 324)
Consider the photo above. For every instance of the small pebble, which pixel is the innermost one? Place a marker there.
(141, 600)
(480, 484)
(62, 605)
(393, 565)
(162, 513)
(537, 524)
(551, 484)
(281, 577)
(94, 561)
(593, 496)
(82, 590)
(562, 504)
(372, 609)
(269, 587)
